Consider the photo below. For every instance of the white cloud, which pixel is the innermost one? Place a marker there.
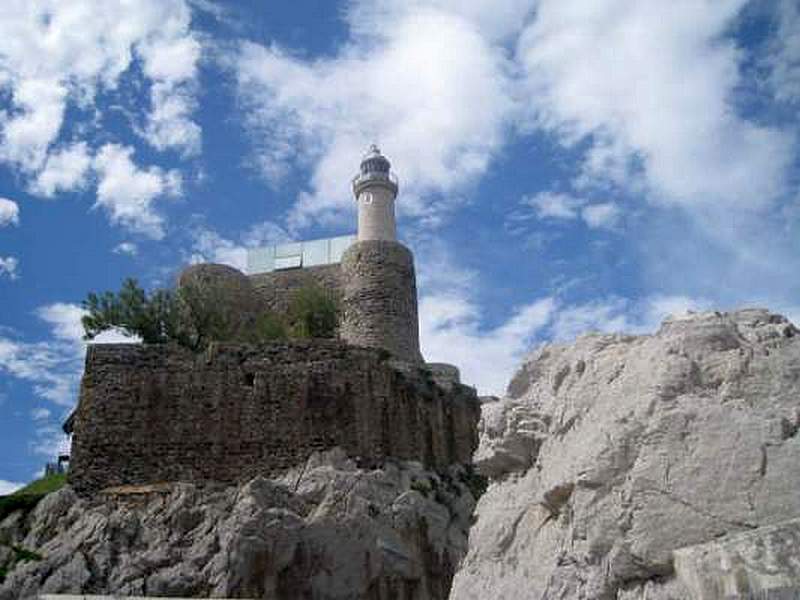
(169, 125)
(170, 61)
(265, 233)
(658, 308)
(654, 91)
(450, 331)
(65, 324)
(64, 170)
(601, 215)
(8, 267)
(649, 85)
(64, 320)
(566, 207)
(784, 57)
(212, 7)
(127, 192)
(127, 248)
(555, 205)
(61, 53)
(619, 315)
(428, 86)
(27, 135)
(9, 212)
(53, 366)
(49, 441)
(210, 246)
(497, 19)
(599, 316)
(40, 413)
(451, 322)
(8, 487)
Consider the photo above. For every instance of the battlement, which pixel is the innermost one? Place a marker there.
(150, 414)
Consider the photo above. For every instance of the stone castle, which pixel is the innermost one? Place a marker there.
(160, 413)
(372, 275)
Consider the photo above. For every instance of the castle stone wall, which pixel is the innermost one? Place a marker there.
(275, 289)
(379, 305)
(161, 413)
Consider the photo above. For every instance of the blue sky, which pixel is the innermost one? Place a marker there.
(565, 165)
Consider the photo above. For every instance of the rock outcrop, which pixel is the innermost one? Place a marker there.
(631, 467)
(326, 530)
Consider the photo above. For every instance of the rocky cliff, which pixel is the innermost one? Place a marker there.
(326, 530)
(662, 467)
(659, 467)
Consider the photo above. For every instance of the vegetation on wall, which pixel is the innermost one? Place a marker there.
(313, 313)
(151, 317)
(193, 316)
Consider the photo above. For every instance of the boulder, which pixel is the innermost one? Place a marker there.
(612, 454)
(325, 530)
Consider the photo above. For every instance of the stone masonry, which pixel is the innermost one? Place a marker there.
(161, 413)
(275, 289)
(379, 308)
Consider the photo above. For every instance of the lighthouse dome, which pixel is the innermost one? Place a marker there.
(375, 170)
(375, 162)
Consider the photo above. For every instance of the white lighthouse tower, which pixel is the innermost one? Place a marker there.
(375, 188)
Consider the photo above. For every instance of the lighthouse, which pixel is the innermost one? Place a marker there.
(375, 189)
(379, 300)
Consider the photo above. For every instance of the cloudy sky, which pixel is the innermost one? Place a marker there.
(565, 165)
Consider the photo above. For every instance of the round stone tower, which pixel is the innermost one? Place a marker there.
(379, 304)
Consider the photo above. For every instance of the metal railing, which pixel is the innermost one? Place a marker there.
(375, 176)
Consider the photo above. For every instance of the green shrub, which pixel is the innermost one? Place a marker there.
(152, 317)
(270, 326)
(313, 313)
(193, 316)
(198, 318)
(190, 317)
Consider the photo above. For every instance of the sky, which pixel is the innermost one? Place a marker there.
(565, 166)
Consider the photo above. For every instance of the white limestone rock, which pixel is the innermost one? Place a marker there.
(610, 453)
(759, 563)
(326, 530)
